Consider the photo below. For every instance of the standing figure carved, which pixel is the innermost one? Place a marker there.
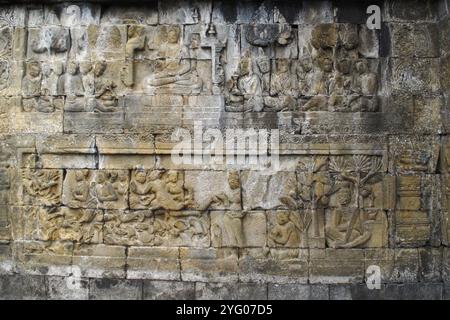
(233, 217)
(244, 89)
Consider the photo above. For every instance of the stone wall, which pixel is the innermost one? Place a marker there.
(93, 204)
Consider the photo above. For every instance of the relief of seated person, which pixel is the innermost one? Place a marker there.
(176, 71)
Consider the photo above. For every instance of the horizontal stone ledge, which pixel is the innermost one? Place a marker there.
(18, 287)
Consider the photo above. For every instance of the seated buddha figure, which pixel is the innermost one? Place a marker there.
(176, 70)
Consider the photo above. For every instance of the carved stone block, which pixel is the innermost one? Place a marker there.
(257, 187)
(44, 258)
(98, 261)
(337, 266)
(104, 189)
(413, 154)
(415, 75)
(63, 224)
(412, 228)
(41, 186)
(414, 40)
(209, 264)
(125, 151)
(153, 263)
(273, 265)
(151, 114)
(91, 123)
(238, 229)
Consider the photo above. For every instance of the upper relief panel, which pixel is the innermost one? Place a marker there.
(309, 66)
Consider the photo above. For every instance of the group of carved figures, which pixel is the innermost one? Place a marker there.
(331, 77)
(81, 83)
(329, 74)
(154, 206)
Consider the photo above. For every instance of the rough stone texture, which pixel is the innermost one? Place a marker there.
(139, 157)
(224, 291)
(298, 292)
(117, 289)
(168, 290)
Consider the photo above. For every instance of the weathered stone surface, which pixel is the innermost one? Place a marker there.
(98, 261)
(414, 40)
(115, 289)
(336, 266)
(298, 292)
(430, 264)
(238, 291)
(216, 149)
(168, 290)
(209, 265)
(67, 288)
(274, 265)
(44, 258)
(153, 263)
(22, 287)
(428, 291)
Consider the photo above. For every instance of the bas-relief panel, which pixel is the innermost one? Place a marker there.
(115, 81)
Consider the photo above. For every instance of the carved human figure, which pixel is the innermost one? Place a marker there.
(320, 87)
(31, 84)
(173, 186)
(106, 98)
(244, 89)
(283, 88)
(87, 76)
(135, 42)
(322, 79)
(166, 191)
(119, 181)
(340, 230)
(73, 86)
(56, 79)
(285, 233)
(140, 196)
(74, 89)
(92, 226)
(365, 84)
(177, 71)
(340, 86)
(80, 191)
(305, 76)
(104, 190)
(263, 63)
(233, 217)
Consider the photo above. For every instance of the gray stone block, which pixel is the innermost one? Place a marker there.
(115, 289)
(68, 288)
(230, 291)
(168, 290)
(298, 292)
(414, 291)
(22, 287)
